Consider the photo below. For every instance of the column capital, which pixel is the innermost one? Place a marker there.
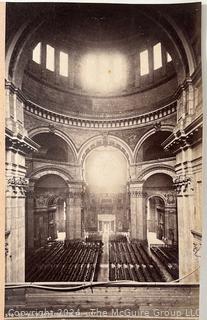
(17, 185)
(76, 190)
(183, 184)
(136, 190)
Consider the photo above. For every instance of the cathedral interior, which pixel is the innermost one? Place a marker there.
(103, 155)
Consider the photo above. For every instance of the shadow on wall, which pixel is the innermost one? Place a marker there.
(53, 148)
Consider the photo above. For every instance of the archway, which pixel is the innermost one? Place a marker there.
(53, 147)
(59, 203)
(155, 220)
(160, 209)
(106, 175)
(150, 146)
(49, 190)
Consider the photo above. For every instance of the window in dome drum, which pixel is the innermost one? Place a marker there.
(36, 53)
(63, 64)
(169, 58)
(144, 62)
(157, 56)
(50, 58)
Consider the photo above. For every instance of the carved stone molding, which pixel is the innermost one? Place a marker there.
(183, 183)
(105, 139)
(76, 194)
(18, 185)
(170, 198)
(18, 142)
(197, 243)
(52, 128)
(185, 137)
(157, 125)
(45, 199)
(138, 194)
(7, 233)
(99, 121)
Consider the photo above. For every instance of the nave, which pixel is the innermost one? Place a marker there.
(81, 260)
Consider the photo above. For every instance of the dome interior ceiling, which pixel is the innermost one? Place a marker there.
(97, 23)
(79, 29)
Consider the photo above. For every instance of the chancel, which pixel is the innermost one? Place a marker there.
(103, 157)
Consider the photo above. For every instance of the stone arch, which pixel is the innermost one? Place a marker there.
(148, 197)
(147, 135)
(153, 169)
(160, 207)
(48, 129)
(53, 200)
(51, 169)
(104, 140)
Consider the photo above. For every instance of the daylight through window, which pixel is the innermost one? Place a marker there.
(144, 63)
(50, 59)
(36, 53)
(157, 56)
(63, 64)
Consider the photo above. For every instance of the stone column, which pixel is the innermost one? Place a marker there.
(73, 212)
(30, 201)
(185, 206)
(171, 224)
(18, 144)
(138, 214)
(15, 228)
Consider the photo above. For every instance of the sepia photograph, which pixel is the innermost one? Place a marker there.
(103, 160)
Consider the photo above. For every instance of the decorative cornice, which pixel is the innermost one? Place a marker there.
(19, 143)
(181, 139)
(95, 122)
(109, 123)
(137, 194)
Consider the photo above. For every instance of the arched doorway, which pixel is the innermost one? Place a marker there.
(155, 220)
(106, 175)
(160, 209)
(58, 204)
(49, 198)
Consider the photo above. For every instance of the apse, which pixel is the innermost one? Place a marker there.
(106, 170)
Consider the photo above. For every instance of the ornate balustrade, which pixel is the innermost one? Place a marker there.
(98, 121)
(132, 121)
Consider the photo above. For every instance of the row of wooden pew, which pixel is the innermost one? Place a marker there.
(132, 261)
(168, 256)
(64, 261)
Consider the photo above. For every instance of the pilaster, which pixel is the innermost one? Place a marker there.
(73, 211)
(137, 209)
